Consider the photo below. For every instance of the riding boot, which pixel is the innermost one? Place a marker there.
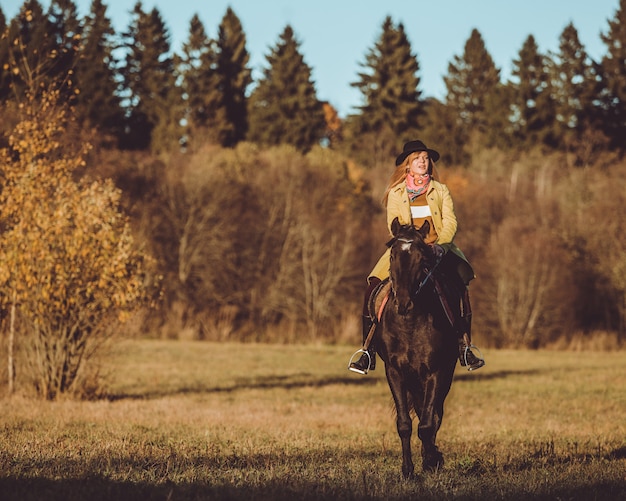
(367, 362)
(467, 358)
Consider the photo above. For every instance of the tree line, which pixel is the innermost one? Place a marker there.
(249, 210)
(143, 96)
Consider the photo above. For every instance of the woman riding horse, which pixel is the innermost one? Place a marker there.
(413, 196)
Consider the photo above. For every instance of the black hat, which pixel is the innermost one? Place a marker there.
(413, 146)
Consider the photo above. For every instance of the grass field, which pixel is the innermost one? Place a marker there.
(197, 420)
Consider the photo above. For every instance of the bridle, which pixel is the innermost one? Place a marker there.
(429, 272)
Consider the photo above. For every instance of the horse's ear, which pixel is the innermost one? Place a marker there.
(395, 227)
(424, 229)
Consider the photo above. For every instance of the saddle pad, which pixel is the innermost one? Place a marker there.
(378, 299)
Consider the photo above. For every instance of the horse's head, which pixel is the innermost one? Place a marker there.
(409, 254)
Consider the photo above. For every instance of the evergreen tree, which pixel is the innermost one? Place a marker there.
(533, 109)
(98, 104)
(576, 86)
(498, 118)
(284, 107)
(472, 82)
(200, 85)
(614, 71)
(235, 77)
(26, 50)
(153, 102)
(64, 33)
(441, 124)
(390, 88)
(4, 57)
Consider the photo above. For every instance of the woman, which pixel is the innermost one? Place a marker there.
(413, 195)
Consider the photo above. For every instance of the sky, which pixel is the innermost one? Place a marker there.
(336, 35)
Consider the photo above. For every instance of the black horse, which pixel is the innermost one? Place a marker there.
(416, 343)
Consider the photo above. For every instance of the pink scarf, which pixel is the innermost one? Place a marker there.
(415, 190)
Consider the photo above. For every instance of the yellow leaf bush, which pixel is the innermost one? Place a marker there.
(67, 252)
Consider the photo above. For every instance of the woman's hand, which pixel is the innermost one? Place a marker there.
(437, 250)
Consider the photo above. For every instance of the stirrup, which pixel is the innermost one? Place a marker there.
(479, 357)
(352, 358)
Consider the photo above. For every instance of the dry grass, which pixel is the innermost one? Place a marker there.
(197, 420)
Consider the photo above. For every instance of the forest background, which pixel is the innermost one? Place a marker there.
(246, 210)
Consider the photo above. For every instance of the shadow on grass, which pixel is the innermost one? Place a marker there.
(619, 453)
(287, 382)
(95, 489)
(304, 380)
(324, 474)
(484, 374)
(99, 488)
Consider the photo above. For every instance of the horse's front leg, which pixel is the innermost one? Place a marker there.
(403, 418)
(431, 415)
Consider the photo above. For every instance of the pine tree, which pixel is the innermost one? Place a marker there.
(576, 86)
(153, 102)
(498, 118)
(441, 124)
(200, 85)
(390, 88)
(97, 103)
(533, 109)
(235, 77)
(27, 49)
(64, 33)
(472, 82)
(284, 107)
(5, 69)
(614, 71)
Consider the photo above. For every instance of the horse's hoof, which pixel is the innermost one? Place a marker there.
(433, 464)
(409, 475)
(432, 468)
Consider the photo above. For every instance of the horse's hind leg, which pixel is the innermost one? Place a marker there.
(403, 419)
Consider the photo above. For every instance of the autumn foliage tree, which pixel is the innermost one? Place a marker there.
(69, 263)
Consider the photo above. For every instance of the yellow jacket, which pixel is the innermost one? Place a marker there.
(444, 219)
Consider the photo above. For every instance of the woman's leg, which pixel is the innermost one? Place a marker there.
(467, 358)
(367, 362)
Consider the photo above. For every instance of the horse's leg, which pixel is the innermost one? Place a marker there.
(403, 418)
(436, 388)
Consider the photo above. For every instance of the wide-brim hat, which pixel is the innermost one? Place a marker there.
(412, 147)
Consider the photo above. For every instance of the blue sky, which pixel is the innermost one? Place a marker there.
(335, 35)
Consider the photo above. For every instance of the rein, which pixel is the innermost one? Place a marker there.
(428, 275)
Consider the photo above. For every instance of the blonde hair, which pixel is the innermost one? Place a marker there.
(402, 170)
